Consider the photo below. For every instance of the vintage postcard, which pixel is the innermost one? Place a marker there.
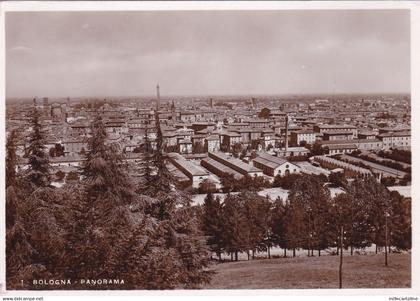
(159, 146)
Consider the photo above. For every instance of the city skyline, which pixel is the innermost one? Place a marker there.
(85, 54)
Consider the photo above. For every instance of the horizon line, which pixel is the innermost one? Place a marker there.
(213, 95)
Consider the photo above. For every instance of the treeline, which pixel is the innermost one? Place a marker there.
(394, 165)
(309, 219)
(104, 226)
(397, 155)
(230, 184)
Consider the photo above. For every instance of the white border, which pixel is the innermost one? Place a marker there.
(413, 6)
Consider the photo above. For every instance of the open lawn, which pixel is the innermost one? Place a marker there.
(359, 271)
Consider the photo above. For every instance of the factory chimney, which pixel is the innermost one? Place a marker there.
(157, 98)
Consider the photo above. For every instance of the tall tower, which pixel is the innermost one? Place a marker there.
(287, 133)
(211, 103)
(253, 102)
(157, 97)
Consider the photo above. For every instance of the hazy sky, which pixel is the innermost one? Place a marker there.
(208, 52)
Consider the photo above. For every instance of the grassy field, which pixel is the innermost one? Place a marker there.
(359, 271)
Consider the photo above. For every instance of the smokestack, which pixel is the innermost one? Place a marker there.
(287, 133)
(157, 97)
(211, 103)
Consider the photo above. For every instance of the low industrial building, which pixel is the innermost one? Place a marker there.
(236, 164)
(273, 166)
(195, 173)
(219, 169)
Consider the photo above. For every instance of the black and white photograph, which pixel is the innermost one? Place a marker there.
(214, 149)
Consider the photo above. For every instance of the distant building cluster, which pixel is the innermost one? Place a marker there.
(207, 138)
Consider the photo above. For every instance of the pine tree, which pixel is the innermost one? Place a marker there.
(154, 242)
(147, 162)
(278, 224)
(100, 210)
(373, 199)
(39, 167)
(212, 223)
(257, 212)
(156, 174)
(236, 230)
(309, 201)
(11, 158)
(400, 222)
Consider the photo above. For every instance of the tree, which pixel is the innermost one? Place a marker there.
(257, 213)
(228, 182)
(152, 243)
(99, 228)
(346, 212)
(59, 150)
(160, 181)
(19, 251)
(212, 224)
(337, 179)
(39, 167)
(286, 181)
(400, 222)
(372, 199)
(236, 230)
(146, 165)
(249, 183)
(317, 150)
(264, 113)
(100, 210)
(279, 224)
(60, 175)
(309, 201)
(72, 176)
(207, 186)
(11, 158)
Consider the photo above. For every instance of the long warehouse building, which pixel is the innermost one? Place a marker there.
(194, 172)
(236, 164)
